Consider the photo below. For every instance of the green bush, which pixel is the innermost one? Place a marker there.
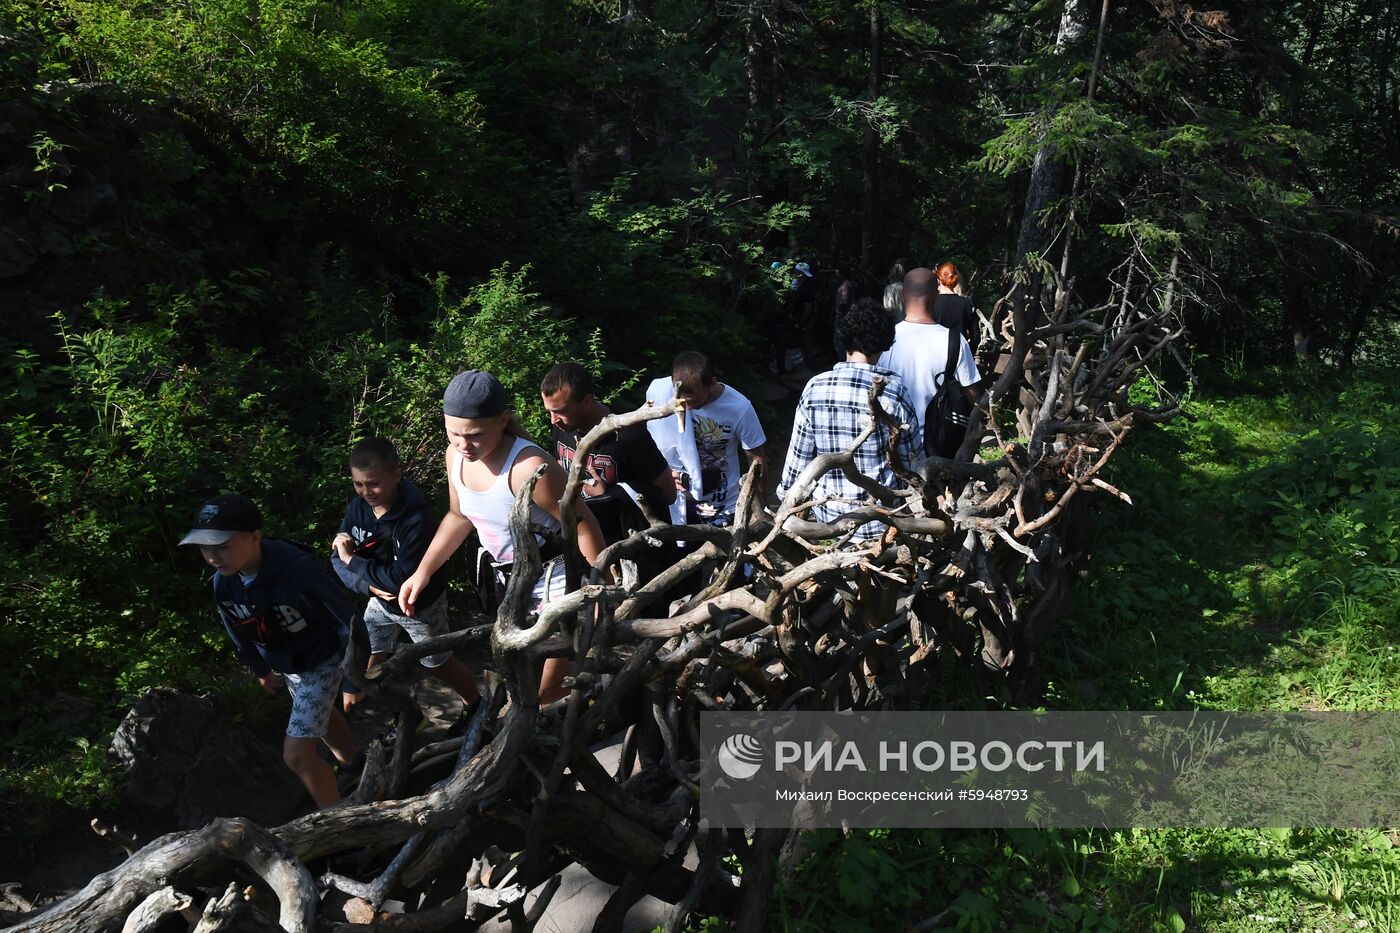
(1334, 509)
(146, 408)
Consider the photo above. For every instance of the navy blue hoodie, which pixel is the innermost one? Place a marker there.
(390, 547)
(292, 617)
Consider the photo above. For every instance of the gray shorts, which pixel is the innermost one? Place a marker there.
(313, 696)
(384, 626)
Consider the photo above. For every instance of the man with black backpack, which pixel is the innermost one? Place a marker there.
(936, 365)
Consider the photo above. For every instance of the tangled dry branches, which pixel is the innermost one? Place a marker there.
(974, 567)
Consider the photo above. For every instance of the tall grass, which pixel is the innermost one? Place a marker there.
(1257, 571)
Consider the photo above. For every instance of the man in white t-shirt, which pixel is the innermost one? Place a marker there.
(722, 421)
(920, 351)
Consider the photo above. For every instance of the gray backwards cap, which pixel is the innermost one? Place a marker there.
(474, 394)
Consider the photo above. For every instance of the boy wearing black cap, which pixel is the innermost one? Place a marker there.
(286, 617)
(384, 534)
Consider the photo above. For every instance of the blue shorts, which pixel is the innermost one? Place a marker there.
(313, 696)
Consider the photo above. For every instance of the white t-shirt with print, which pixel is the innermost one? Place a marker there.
(920, 354)
(721, 428)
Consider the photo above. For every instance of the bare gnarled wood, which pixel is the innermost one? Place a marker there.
(106, 900)
(980, 549)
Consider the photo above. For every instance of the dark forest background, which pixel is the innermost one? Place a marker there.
(237, 235)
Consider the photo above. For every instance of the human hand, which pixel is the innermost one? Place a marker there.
(344, 547)
(408, 593)
(382, 594)
(271, 683)
(594, 486)
(349, 699)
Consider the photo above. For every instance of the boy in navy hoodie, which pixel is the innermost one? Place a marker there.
(385, 533)
(288, 621)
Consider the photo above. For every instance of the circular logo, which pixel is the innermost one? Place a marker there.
(740, 756)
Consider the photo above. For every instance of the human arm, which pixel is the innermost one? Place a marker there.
(325, 604)
(647, 471)
(412, 536)
(451, 532)
(343, 545)
(970, 326)
(240, 632)
(802, 449)
(908, 446)
(751, 438)
(322, 601)
(667, 482)
(760, 456)
(967, 375)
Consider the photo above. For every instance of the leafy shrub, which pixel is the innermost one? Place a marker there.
(146, 408)
(1333, 503)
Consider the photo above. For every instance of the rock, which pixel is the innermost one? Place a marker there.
(185, 766)
(71, 714)
(17, 256)
(54, 242)
(579, 900)
(83, 202)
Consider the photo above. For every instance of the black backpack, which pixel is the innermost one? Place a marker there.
(946, 417)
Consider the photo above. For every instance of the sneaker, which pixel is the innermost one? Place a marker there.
(464, 720)
(347, 776)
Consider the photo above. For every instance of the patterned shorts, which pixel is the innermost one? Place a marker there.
(384, 627)
(313, 696)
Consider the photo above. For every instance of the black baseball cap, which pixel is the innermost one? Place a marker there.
(474, 394)
(221, 518)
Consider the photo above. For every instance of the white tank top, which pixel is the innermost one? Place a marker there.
(489, 511)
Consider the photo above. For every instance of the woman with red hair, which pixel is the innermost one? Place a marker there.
(951, 309)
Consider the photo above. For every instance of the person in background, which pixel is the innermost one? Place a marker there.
(722, 422)
(770, 313)
(835, 408)
(489, 457)
(382, 538)
(952, 309)
(920, 351)
(801, 309)
(846, 293)
(894, 292)
(288, 621)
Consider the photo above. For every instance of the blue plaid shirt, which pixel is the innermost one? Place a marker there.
(834, 408)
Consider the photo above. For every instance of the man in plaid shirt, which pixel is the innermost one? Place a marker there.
(835, 409)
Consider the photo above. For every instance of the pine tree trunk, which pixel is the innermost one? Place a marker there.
(871, 187)
(1358, 321)
(1048, 169)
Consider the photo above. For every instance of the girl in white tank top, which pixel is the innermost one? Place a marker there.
(487, 460)
(489, 511)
